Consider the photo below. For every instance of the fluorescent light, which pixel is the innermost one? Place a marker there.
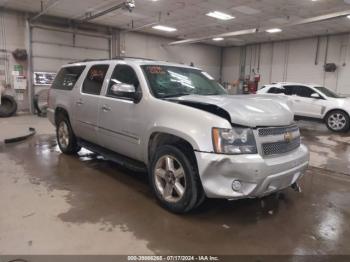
(164, 28)
(274, 30)
(218, 39)
(220, 15)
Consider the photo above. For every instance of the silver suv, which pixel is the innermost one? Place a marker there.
(177, 123)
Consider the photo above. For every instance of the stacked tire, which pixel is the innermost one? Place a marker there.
(8, 106)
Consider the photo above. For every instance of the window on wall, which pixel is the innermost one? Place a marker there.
(94, 80)
(67, 77)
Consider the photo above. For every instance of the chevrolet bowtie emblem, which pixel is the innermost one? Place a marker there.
(288, 136)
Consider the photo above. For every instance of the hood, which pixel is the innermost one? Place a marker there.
(341, 102)
(245, 110)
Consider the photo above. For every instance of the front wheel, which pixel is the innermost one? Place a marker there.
(66, 139)
(338, 121)
(174, 180)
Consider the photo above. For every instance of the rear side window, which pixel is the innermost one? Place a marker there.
(94, 79)
(67, 77)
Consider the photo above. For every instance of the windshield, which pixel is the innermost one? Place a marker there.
(327, 92)
(172, 81)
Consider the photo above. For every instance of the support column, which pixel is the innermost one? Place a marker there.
(30, 85)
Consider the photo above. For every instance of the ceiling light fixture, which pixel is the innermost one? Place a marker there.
(274, 30)
(348, 16)
(218, 39)
(220, 15)
(164, 28)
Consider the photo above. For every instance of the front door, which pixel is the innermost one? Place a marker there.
(306, 105)
(120, 119)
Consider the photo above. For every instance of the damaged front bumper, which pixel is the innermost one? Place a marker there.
(257, 176)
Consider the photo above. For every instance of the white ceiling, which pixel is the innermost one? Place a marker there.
(188, 16)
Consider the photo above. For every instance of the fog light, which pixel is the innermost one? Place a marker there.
(236, 185)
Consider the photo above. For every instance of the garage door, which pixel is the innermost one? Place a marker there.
(51, 49)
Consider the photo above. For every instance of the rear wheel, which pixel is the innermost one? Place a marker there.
(174, 180)
(66, 139)
(337, 121)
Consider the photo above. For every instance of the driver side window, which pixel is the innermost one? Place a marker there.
(122, 74)
(304, 91)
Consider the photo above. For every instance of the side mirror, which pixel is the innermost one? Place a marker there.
(315, 95)
(126, 91)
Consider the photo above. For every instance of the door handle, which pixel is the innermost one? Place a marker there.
(80, 102)
(106, 108)
(297, 100)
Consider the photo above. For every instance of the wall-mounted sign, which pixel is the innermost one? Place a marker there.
(43, 78)
(19, 82)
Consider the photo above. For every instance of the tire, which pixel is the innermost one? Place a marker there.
(66, 139)
(40, 102)
(338, 121)
(8, 106)
(174, 179)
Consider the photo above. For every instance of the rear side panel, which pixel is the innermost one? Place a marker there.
(64, 90)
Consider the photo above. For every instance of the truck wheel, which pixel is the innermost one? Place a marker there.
(8, 106)
(338, 121)
(66, 139)
(174, 180)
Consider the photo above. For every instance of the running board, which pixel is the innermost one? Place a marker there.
(109, 155)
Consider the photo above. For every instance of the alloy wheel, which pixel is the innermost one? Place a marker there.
(170, 178)
(337, 121)
(63, 135)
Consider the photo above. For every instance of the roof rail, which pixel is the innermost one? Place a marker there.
(87, 60)
(114, 58)
(133, 57)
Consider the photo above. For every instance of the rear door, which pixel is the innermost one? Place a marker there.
(87, 102)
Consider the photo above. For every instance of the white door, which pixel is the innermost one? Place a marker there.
(305, 104)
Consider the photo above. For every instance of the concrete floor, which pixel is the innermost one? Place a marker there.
(57, 204)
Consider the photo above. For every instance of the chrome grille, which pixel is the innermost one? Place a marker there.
(280, 147)
(274, 131)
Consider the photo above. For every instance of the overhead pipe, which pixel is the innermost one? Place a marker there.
(44, 10)
(129, 4)
(199, 39)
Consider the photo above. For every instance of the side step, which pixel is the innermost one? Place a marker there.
(107, 154)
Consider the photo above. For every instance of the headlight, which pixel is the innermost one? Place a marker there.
(234, 141)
